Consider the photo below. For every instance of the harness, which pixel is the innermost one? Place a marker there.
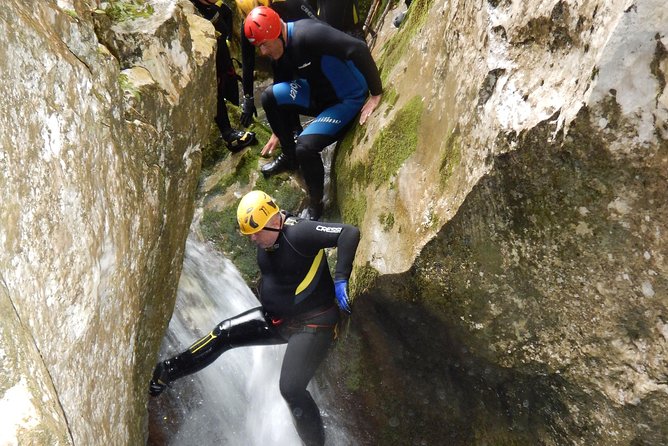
(297, 325)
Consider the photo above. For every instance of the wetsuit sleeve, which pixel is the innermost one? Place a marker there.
(292, 10)
(346, 249)
(325, 40)
(247, 63)
(313, 235)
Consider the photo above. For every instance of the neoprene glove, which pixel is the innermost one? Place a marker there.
(342, 299)
(247, 111)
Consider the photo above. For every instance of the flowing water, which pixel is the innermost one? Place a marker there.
(235, 400)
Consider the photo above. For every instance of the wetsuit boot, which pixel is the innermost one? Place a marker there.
(313, 211)
(247, 328)
(283, 163)
(174, 368)
(159, 381)
(236, 140)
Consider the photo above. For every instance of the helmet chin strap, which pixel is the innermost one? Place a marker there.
(280, 36)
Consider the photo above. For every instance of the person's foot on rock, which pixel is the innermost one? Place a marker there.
(398, 20)
(236, 140)
(312, 211)
(158, 383)
(282, 163)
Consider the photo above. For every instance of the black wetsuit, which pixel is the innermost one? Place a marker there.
(298, 308)
(333, 74)
(226, 77)
(342, 15)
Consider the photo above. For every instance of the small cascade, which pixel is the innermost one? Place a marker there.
(234, 401)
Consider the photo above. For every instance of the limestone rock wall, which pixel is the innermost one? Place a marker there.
(100, 136)
(512, 275)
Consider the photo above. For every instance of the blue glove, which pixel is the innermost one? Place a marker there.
(342, 299)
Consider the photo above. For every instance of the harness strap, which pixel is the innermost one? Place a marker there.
(314, 328)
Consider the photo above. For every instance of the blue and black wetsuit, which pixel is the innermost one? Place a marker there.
(332, 75)
(298, 308)
(288, 11)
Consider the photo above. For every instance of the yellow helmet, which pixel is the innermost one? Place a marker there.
(254, 211)
(246, 6)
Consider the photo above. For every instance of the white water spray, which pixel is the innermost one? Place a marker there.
(235, 400)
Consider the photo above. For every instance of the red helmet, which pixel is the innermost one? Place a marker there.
(262, 24)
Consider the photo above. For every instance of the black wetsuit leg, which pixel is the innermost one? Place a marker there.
(309, 146)
(310, 163)
(227, 86)
(247, 328)
(307, 348)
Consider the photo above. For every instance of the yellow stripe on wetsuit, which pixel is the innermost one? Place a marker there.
(198, 345)
(311, 272)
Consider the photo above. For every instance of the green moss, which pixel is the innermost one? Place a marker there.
(127, 86)
(400, 44)
(72, 13)
(282, 190)
(352, 205)
(612, 110)
(215, 149)
(386, 221)
(212, 151)
(220, 227)
(123, 10)
(247, 165)
(396, 142)
(353, 371)
(451, 156)
(390, 98)
(351, 201)
(363, 278)
(660, 55)
(433, 219)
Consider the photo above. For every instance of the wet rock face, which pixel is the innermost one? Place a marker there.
(537, 315)
(536, 311)
(553, 269)
(98, 169)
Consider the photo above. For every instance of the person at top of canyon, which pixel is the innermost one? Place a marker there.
(298, 299)
(343, 15)
(333, 78)
(227, 88)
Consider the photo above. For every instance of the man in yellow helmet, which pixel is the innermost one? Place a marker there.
(299, 305)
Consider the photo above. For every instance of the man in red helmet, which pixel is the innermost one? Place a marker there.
(332, 77)
(289, 11)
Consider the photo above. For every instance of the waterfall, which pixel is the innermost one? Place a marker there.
(234, 401)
